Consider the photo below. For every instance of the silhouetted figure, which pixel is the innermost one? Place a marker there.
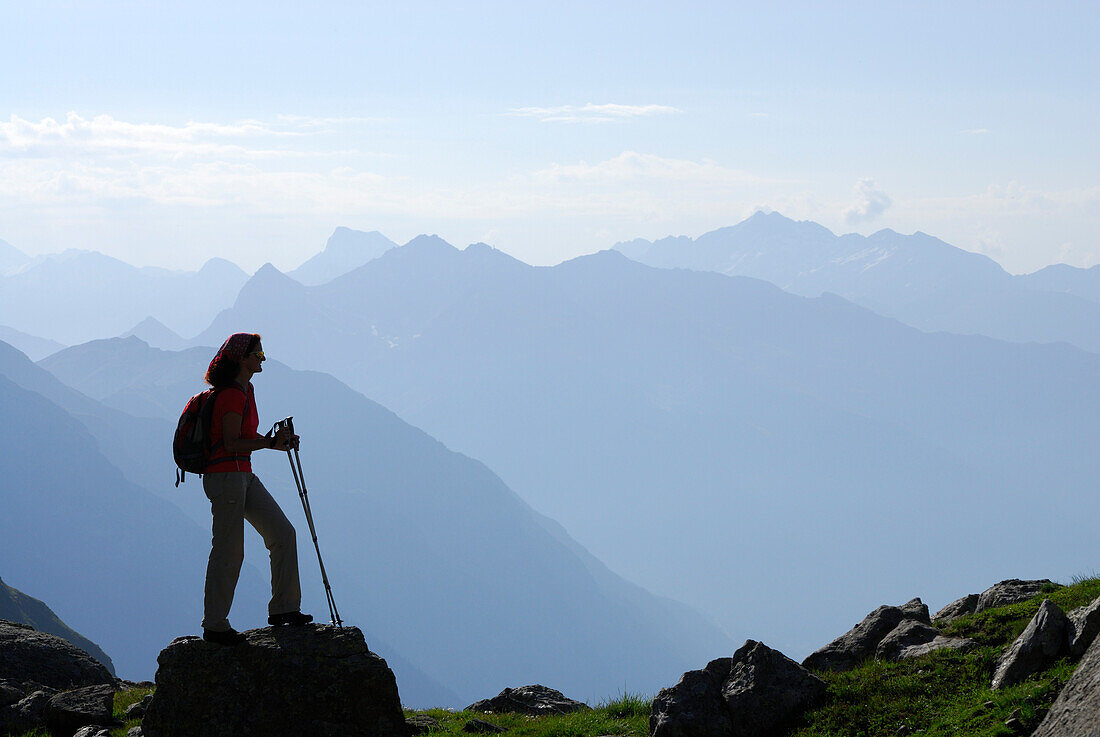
(236, 495)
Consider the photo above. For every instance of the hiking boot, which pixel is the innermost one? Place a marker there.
(224, 637)
(294, 618)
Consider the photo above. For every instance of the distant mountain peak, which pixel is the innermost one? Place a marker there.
(425, 242)
(345, 250)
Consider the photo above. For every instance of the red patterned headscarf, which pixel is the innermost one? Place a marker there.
(233, 348)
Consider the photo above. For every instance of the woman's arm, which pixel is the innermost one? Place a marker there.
(234, 443)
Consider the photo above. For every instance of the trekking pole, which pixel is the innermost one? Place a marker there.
(300, 482)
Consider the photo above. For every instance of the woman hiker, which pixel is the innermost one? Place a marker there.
(236, 495)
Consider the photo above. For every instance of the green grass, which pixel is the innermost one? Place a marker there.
(944, 693)
(626, 715)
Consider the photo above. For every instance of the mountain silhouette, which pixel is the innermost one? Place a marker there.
(15, 606)
(425, 546)
(750, 444)
(345, 250)
(75, 296)
(917, 279)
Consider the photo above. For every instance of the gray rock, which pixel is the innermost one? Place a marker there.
(1076, 711)
(71, 710)
(958, 608)
(767, 692)
(694, 707)
(10, 693)
(1084, 623)
(1012, 591)
(135, 732)
(136, 711)
(1041, 643)
(859, 643)
(531, 700)
(909, 632)
(26, 714)
(917, 610)
(759, 692)
(480, 726)
(420, 724)
(281, 682)
(940, 642)
(92, 731)
(29, 655)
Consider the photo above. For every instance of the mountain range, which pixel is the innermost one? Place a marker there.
(918, 279)
(713, 438)
(423, 546)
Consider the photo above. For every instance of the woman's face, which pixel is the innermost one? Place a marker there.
(255, 360)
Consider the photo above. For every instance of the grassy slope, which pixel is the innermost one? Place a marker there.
(944, 693)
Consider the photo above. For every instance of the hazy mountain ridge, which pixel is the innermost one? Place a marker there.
(345, 250)
(76, 295)
(602, 388)
(1084, 283)
(426, 546)
(15, 606)
(918, 279)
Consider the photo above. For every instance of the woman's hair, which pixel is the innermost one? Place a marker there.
(223, 369)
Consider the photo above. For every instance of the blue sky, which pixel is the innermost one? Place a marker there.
(166, 134)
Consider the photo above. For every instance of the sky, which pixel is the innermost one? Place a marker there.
(168, 133)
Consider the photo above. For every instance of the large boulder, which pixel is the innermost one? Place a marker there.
(26, 714)
(860, 642)
(27, 655)
(281, 682)
(90, 705)
(959, 608)
(940, 642)
(913, 638)
(1041, 643)
(917, 610)
(1012, 591)
(531, 700)
(1084, 624)
(759, 692)
(909, 632)
(1076, 711)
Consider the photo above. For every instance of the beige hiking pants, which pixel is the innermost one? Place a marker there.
(236, 496)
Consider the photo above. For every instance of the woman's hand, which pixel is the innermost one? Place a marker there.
(285, 439)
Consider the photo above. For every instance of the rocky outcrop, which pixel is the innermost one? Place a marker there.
(27, 655)
(909, 632)
(91, 705)
(959, 608)
(911, 639)
(531, 700)
(916, 610)
(1076, 711)
(281, 682)
(26, 714)
(861, 642)
(1084, 624)
(1041, 643)
(940, 642)
(759, 692)
(1012, 591)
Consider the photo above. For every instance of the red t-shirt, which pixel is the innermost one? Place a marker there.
(232, 399)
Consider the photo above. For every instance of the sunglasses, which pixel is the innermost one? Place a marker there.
(258, 354)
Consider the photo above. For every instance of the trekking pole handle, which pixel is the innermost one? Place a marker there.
(284, 424)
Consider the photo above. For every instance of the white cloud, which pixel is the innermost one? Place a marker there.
(870, 203)
(104, 135)
(976, 131)
(590, 113)
(634, 167)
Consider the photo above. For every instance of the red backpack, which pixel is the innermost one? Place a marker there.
(191, 445)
